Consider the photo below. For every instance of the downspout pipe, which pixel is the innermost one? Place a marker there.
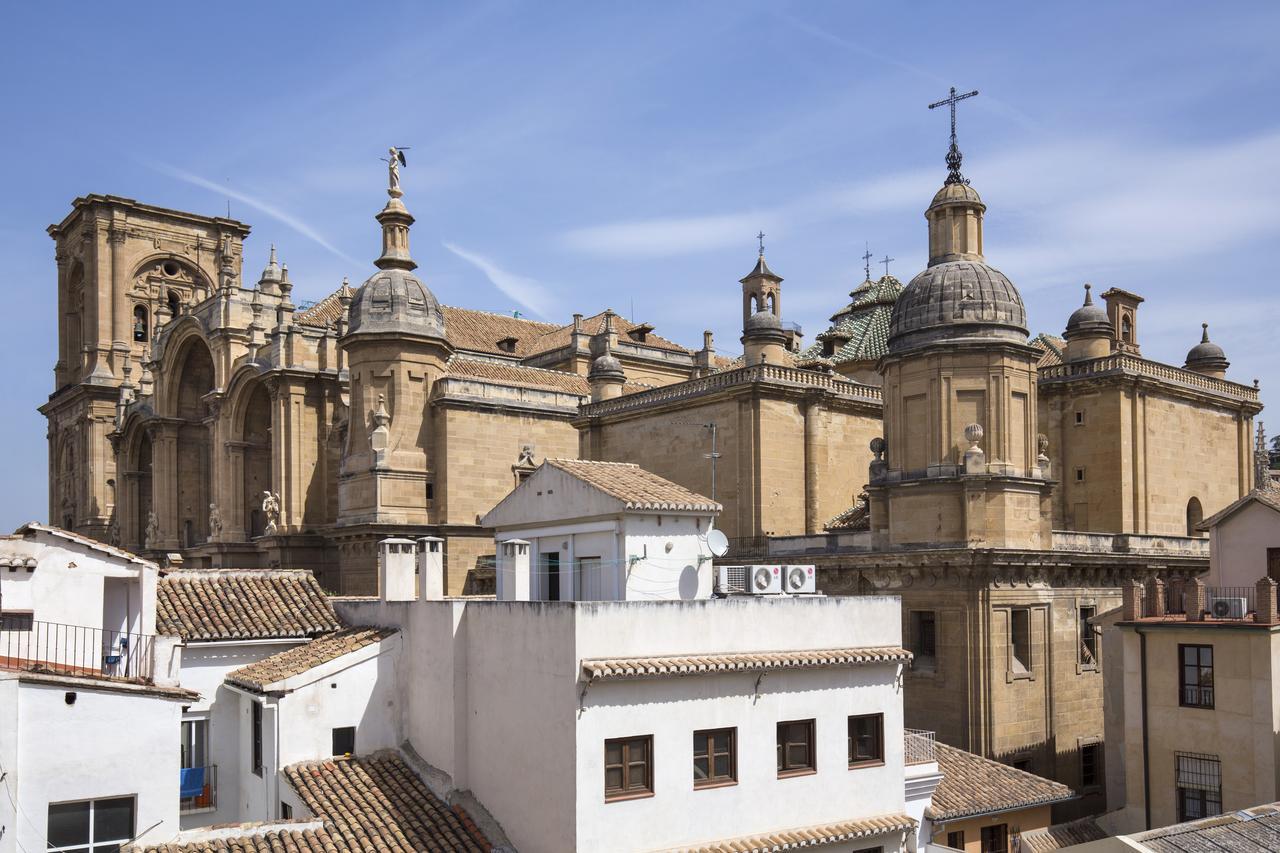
(1146, 749)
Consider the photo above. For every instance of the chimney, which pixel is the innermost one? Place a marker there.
(1131, 606)
(1155, 597)
(431, 567)
(513, 570)
(1193, 596)
(397, 570)
(1265, 611)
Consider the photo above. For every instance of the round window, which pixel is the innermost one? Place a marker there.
(170, 268)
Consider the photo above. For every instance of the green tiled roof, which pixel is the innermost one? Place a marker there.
(860, 329)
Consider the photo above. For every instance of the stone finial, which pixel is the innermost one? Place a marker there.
(379, 438)
(1042, 454)
(876, 470)
(975, 460)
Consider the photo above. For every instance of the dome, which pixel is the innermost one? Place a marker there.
(956, 299)
(956, 192)
(605, 366)
(763, 321)
(1089, 320)
(1207, 354)
(394, 300)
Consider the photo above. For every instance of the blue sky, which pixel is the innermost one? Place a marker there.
(572, 157)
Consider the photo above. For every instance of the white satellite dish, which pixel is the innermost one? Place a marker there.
(717, 542)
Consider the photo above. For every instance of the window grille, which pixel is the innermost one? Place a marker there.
(1199, 783)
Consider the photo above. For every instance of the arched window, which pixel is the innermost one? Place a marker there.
(1126, 329)
(140, 323)
(1195, 515)
(175, 304)
(773, 305)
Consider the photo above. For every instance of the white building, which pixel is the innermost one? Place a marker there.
(85, 687)
(602, 531)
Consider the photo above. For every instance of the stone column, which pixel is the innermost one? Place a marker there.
(812, 483)
(64, 369)
(164, 484)
(234, 512)
(121, 316)
(292, 448)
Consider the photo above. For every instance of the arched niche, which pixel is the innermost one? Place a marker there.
(191, 382)
(1195, 515)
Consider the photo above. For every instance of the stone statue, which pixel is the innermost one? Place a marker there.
(395, 160)
(271, 509)
(113, 531)
(215, 521)
(152, 533)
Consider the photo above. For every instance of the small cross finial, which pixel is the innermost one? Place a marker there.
(866, 261)
(760, 237)
(954, 156)
(886, 260)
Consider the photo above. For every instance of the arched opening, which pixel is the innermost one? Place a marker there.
(72, 330)
(140, 325)
(1195, 515)
(66, 483)
(194, 379)
(256, 472)
(773, 303)
(1126, 329)
(144, 480)
(175, 304)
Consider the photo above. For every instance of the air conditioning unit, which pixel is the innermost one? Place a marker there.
(766, 580)
(800, 579)
(1228, 608)
(731, 580)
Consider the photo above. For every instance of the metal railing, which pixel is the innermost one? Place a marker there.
(51, 647)
(198, 788)
(1230, 602)
(919, 746)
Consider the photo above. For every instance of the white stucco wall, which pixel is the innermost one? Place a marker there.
(103, 745)
(1238, 546)
(492, 695)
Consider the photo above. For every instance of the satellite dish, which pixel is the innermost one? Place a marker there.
(717, 542)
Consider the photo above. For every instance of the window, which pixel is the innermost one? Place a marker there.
(431, 491)
(1079, 418)
(795, 748)
(286, 811)
(91, 826)
(995, 839)
(196, 785)
(344, 741)
(1079, 475)
(15, 621)
(1195, 515)
(866, 740)
(1088, 636)
(628, 768)
(139, 324)
(715, 758)
(1024, 764)
(1273, 564)
(924, 637)
(1196, 680)
(1091, 765)
(955, 840)
(255, 735)
(1199, 781)
(1020, 640)
(551, 576)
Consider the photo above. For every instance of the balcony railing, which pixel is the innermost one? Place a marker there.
(50, 647)
(919, 746)
(198, 788)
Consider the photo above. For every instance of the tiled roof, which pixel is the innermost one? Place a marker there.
(603, 669)
(855, 519)
(379, 803)
(809, 836)
(636, 487)
(1053, 348)
(1062, 835)
(296, 836)
(973, 785)
(506, 373)
(103, 547)
(258, 676)
(1269, 498)
(559, 337)
(242, 604)
(1254, 829)
(480, 331)
(376, 803)
(327, 311)
(860, 330)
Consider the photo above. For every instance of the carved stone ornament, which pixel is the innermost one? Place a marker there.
(271, 509)
(878, 446)
(151, 535)
(973, 435)
(215, 520)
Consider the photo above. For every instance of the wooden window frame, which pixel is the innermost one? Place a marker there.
(626, 744)
(255, 737)
(1088, 637)
(955, 839)
(1200, 668)
(1094, 748)
(878, 760)
(1002, 829)
(712, 780)
(785, 771)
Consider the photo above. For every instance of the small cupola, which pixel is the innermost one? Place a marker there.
(1207, 357)
(1088, 333)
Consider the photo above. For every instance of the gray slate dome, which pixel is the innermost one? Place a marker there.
(1089, 320)
(957, 299)
(1207, 354)
(762, 321)
(394, 300)
(605, 366)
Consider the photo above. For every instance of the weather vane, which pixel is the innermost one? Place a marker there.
(886, 260)
(760, 237)
(953, 153)
(866, 260)
(394, 161)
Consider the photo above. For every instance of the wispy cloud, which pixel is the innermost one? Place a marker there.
(524, 290)
(664, 237)
(270, 210)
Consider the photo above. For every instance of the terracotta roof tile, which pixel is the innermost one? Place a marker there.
(258, 676)
(809, 836)
(379, 803)
(973, 785)
(298, 836)
(1062, 835)
(636, 487)
(327, 311)
(560, 336)
(1052, 346)
(242, 604)
(480, 331)
(603, 669)
(856, 518)
(860, 330)
(504, 373)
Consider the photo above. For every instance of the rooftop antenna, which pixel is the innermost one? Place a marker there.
(953, 153)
